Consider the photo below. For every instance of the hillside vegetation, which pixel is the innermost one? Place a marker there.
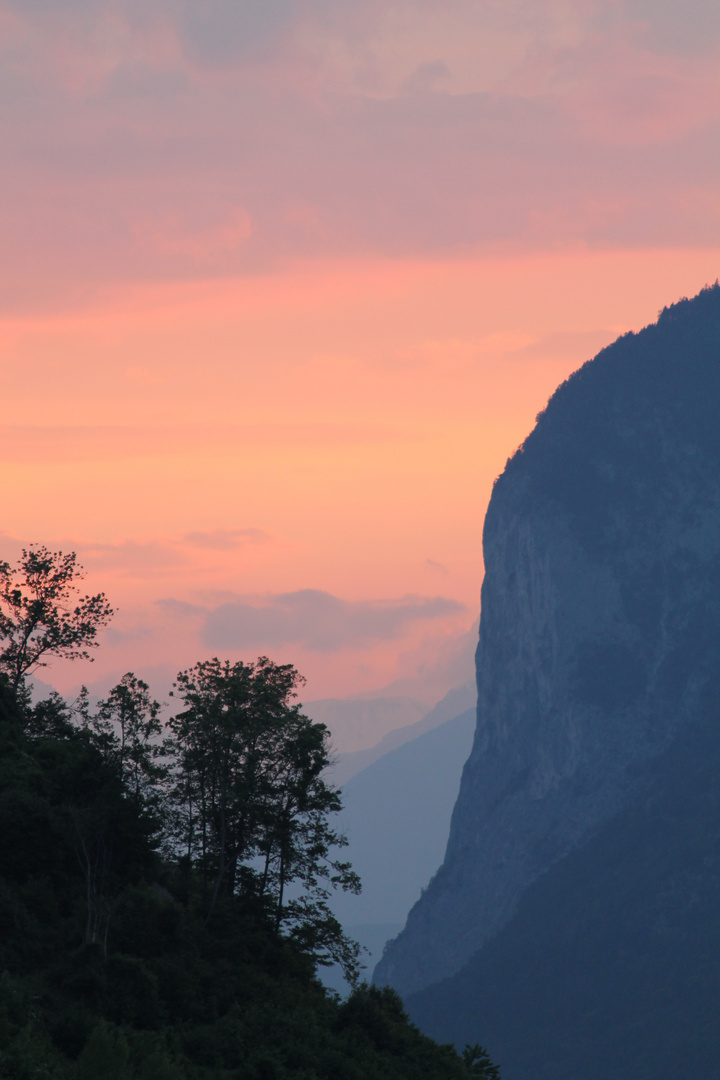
(163, 900)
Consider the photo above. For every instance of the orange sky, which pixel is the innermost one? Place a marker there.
(282, 287)
(336, 427)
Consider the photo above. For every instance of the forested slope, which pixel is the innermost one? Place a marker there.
(110, 966)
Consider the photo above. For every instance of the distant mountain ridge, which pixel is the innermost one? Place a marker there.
(456, 701)
(598, 665)
(396, 815)
(359, 723)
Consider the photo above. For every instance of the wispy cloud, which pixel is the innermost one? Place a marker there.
(202, 243)
(225, 539)
(160, 558)
(181, 608)
(399, 128)
(318, 620)
(130, 636)
(132, 557)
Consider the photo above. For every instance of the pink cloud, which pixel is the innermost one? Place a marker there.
(306, 270)
(319, 621)
(225, 539)
(225, 139)
(208, 243)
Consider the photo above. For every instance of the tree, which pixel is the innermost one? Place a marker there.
(129, 720)
(252, 805)
(37, 616)
(297, 843)
(124, 735)
(112, 832)
(479, 1063)
(106, 1055)
(155, 994)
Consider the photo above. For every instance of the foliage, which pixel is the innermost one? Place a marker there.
(109, 966)
(37, 616)
(479, 1064)
(128, 721)
(163, 903)
(105, 1056)
(252, 807)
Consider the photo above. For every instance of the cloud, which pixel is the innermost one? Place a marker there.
(318, 620)
(141, 81)
(322, 133)
(115, 637)
(427, 669)
(142, 558)
(426, 78)
(220, 32)
(131, 557)
(225, 539)
(180, 608)
(678, 26)
(169, 235)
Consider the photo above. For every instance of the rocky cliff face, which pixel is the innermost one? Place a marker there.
(600, 627)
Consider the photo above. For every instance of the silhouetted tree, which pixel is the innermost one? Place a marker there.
(479, 1063)
(161, 991)
(41, 616)
(129, 721)
(252, 805)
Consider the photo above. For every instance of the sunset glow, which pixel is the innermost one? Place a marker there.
(280, 296)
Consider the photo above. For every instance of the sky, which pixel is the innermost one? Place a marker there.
(283, 283)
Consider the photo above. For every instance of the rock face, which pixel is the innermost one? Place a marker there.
(600, 630)
(608, 969)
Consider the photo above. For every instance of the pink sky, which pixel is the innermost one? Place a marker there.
(284, 283)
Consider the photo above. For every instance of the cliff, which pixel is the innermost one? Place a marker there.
(599, 634)
(608, 969)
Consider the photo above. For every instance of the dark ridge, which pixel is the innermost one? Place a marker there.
(575, 917)
(595, 452)
(609, 969)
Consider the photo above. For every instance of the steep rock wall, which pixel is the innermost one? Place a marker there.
(600, 626)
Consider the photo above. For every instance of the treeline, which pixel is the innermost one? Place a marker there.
(164, 890)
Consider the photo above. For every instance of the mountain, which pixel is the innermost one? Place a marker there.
(396, 815)
(608, 970)
(358, 724)
(456, 701)
(581, 874)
